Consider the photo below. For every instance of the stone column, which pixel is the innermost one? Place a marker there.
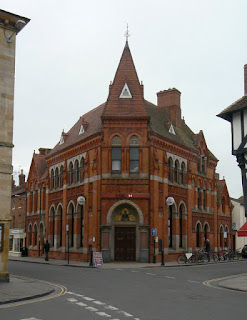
(9, 27)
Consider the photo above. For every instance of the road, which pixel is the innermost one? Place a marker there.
(136, 294)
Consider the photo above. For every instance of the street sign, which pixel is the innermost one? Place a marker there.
(154, 232)
(170, 201)
(81, 200)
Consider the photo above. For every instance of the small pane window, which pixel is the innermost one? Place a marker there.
(134, 159)
(116, 159)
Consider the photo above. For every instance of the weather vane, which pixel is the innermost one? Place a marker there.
(127, 35)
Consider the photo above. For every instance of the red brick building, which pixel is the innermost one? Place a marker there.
(18, 215)
(125, 158)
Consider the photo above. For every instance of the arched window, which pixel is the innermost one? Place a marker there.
(170, 227)
(60, 225)
(180, 227)
(134, 154)
(52, 226)
(77, 171)
(176, 172)
(170, 169)
(52, 179)
(56, 178)
(35, 235)
(198, 229)
(206, 232)
(82, 169)
(71, 224)
(61, 177)
(221, 236)
(198, 197)
(116, 154)
(71, 173)
(29, 235)
(204, 196)
(182, 173)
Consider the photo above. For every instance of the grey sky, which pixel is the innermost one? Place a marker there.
(68, 54)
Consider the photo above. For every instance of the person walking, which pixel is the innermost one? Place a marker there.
(207, 248)
(46, 249)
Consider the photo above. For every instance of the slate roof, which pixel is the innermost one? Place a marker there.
(93, 118)
(135, 107)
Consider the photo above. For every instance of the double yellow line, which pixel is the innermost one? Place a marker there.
(208, 283)
(62, 291)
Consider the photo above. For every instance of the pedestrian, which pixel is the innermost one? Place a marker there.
(46, 249)
(207, 248)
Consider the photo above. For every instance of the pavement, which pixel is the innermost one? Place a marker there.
(22, 288)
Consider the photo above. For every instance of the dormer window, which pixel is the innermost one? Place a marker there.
(171, 130)
(125, 92)
(81, 130)
(61, 140)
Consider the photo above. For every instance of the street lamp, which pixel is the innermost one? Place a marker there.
(236, 113)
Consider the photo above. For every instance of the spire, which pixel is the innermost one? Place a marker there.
(126, 93)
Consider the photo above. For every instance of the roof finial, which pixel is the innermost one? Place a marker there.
(127, 35)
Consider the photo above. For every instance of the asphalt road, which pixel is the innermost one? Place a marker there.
(121, 294)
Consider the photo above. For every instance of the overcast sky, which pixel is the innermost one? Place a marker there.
(69, 52)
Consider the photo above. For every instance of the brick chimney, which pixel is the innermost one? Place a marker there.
(21, 178)
(169, 100)
(245, 79)
(44, 151)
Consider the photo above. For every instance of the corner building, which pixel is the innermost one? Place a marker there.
(125, 157)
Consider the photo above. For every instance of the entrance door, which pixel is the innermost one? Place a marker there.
(125, 243)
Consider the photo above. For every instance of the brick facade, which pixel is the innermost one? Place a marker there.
(125, 158)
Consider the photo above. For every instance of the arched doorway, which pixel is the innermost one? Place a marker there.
(125, 233)
(125, 238)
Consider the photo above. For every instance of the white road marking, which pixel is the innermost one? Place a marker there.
(81, 304)
(126, 313)
(134, 271)
(99, 303)
(170, 277)
(30, 319)
(103, 314)
(193, 281)
(111, 308)
(88, 299)
(119, 269)
(151, 274)
(91, 309)
(72, 300)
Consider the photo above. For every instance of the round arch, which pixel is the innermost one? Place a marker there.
(121, 202)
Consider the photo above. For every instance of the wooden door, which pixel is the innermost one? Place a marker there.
(125, 243)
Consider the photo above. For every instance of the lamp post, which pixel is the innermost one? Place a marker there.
(236, 114)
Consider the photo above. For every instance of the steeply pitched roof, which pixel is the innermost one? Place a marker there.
(124, 107)
(93, 120)
(235, 106)
(134, 106)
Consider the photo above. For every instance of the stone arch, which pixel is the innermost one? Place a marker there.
(129, 202)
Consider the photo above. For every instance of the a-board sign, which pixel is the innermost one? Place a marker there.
(97, 259)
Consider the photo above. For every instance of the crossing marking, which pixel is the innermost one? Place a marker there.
(91, 309)
(150, 274)
(81, 304)
(99, 303)
(126, 313)
(111, 308)
(87, 298)
(72, 300)
(103, 314)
